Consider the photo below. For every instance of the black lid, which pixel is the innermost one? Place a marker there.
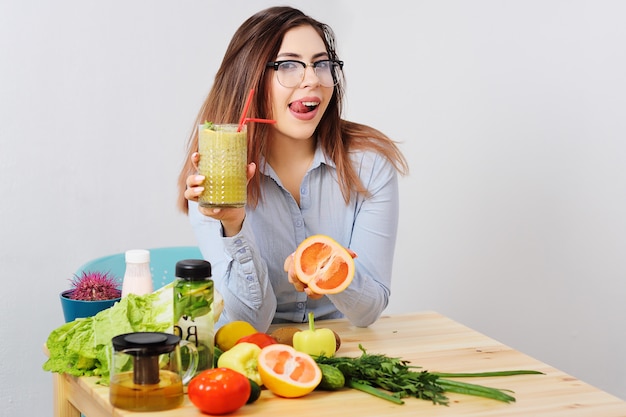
(193, 269)
(145, 343)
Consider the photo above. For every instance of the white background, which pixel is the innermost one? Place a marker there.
(511, 114)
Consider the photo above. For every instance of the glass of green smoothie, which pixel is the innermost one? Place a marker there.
(223, 162)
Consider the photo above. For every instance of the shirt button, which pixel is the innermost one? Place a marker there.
(249, 277)
(242, 250)
(302, 190)
(238, 242)
(300, 306)
(299, 223)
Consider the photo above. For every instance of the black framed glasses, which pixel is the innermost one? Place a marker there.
(290, 72)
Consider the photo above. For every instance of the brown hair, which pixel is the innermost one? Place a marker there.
(256, 42)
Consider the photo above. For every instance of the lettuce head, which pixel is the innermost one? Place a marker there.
(83, 347)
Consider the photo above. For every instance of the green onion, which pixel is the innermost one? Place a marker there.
(486, 374)
(374, 391)
(475, 390)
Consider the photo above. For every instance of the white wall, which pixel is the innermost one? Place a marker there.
(511, 114)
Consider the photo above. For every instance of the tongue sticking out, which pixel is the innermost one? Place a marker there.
(300, 107)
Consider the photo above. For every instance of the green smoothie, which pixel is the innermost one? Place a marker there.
(223, 161)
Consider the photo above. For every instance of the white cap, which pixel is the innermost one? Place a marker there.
(137, 256)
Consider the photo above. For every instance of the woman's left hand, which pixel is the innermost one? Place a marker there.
(293, 279)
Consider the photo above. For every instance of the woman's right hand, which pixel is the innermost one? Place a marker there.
(231, 218)
(194, 181)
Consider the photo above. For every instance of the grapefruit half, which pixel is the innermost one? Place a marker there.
(323, 264)
(287, 372)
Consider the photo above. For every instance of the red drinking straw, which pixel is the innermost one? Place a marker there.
(254, 119)
(243, 120)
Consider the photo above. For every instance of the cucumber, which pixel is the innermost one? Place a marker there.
(332, 378)
(255, 392)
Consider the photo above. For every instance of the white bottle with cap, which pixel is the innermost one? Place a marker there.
(137, 278)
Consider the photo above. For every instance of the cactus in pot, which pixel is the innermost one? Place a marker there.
(94, 286)
(91, 292)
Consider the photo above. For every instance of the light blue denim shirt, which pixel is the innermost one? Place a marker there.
(248, 267)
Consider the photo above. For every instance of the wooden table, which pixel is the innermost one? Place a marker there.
(428, 339)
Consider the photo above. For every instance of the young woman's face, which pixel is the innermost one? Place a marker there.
(299, 109)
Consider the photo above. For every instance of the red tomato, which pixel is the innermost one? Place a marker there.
(259, 339)
(219, 391)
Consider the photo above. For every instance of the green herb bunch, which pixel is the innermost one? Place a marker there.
(393, 379)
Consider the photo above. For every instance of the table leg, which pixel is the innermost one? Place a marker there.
(62, 406)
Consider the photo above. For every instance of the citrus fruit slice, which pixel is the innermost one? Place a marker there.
(287, 372)
(323, 264)
(227, 336)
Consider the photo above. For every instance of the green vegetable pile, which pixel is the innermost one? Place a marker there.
(393, 379)
(82, 347)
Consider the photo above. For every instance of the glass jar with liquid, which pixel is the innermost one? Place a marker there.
(147, 373)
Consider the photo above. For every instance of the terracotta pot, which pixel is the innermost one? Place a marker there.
(73, 309)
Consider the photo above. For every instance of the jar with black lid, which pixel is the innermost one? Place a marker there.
(193, 308)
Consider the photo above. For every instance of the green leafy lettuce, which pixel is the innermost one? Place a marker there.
(83, 347)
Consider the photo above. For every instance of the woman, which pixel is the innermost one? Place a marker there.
(309, 173)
